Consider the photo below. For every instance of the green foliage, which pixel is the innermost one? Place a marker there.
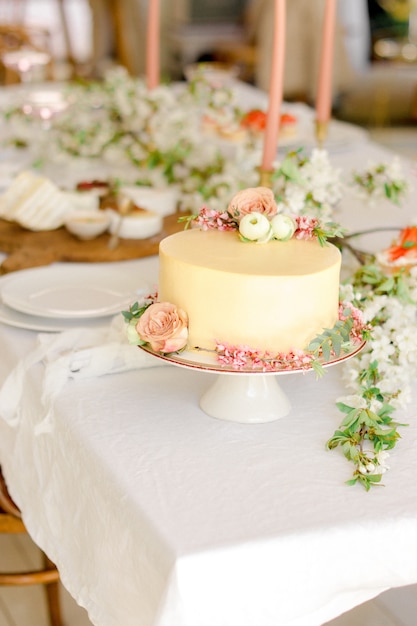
(368, 430)
(378, 180)
(329, 230)
(372, 279)
(136, 311)
(333, 341)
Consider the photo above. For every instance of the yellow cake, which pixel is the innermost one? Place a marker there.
(275, 296)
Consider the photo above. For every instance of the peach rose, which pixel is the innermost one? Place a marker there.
(164, 327)
(253, 200)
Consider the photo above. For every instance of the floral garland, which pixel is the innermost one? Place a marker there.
(164, 328)
(380, 378)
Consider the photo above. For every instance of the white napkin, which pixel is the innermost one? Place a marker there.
(73, 354)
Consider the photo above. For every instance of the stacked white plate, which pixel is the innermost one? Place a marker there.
(59, 297)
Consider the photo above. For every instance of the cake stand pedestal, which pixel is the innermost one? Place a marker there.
(243, 395)
(246, 398)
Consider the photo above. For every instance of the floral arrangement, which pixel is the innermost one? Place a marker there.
(254, 213)
(155, 137)
(161, 325)
(164, 328)
(380, 377)
(381, 180)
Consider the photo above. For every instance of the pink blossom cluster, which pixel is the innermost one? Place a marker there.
(240, 357)
(210, 219)
(305, 227)
(151, 298)
(356, 316)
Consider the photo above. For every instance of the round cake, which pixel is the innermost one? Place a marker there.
(273, 297)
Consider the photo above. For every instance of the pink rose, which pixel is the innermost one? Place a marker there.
(253, 200)
(164, 327)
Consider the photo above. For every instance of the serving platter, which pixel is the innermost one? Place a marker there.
(26, 249)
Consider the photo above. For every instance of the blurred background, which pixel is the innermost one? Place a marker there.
(375, 64)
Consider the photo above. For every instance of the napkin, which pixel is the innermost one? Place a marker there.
(77, 353)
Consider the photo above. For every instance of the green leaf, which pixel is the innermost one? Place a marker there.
(403, 292)
(344, 407)
(291, 170)
(337, 343)
(352, 481)
(351, 418)
(317, 368)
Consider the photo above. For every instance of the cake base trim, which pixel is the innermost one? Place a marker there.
(332, 345)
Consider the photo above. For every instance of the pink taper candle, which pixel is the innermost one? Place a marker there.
(153, 44)
(275, 87)
(324, 92)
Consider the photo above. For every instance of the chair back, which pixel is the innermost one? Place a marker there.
(18, 39)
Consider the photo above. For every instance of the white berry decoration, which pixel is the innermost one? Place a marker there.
(283, 227)
(255, 227)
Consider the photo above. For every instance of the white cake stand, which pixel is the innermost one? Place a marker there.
(243, 395)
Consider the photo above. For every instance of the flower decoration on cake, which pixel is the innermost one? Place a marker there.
(254, 213)
(163, 327)
(160, 325)
(253, 200)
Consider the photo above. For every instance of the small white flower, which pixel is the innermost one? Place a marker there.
(381, 458)
(354, 401)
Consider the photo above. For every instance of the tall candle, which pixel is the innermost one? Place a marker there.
(153, 44)
(324, 91)
(275, 87)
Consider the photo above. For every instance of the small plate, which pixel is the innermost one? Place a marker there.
(10, 317)
(70, 291)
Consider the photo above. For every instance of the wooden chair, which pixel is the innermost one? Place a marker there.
(14, 37)
(16, 31)
(48, 575)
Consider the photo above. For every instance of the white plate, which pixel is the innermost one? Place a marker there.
(10, 317)
(70, 291)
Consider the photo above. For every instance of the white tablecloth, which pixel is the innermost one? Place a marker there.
(158, 515)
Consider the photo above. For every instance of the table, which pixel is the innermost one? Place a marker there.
(158, 515)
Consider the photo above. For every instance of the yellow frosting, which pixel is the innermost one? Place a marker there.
(275, 296)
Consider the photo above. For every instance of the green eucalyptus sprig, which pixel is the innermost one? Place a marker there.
(328, 230)
(336, 341)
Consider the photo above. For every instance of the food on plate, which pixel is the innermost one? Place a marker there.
(255, 122)
(402, 253)
(35, 203)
